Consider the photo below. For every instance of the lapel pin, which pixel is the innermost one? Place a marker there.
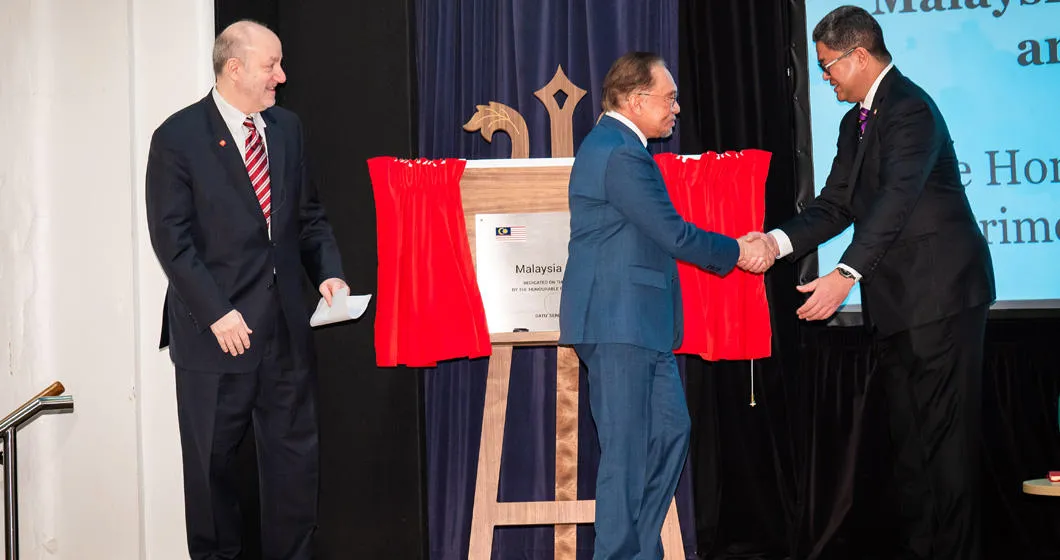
(222, 143)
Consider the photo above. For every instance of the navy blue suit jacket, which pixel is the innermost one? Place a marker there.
(210, 236)
(620, 284)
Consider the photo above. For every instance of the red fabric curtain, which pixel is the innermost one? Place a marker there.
(726, 318)
(428, 304)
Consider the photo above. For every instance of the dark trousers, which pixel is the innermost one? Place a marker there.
(638, 404)
(933, 378)
(214, 411)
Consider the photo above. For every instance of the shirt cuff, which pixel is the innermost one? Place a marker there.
(857, 275)
(783, 242)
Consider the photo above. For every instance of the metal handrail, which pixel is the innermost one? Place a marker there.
(53, 390)
(49, 399)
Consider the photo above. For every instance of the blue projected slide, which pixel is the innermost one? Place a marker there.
(993, 68)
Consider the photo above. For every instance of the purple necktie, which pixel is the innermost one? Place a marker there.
(863, 117)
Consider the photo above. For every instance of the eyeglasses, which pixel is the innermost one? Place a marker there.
(671, 99)
(824, 67)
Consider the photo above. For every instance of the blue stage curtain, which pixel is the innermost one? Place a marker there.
(471, 52)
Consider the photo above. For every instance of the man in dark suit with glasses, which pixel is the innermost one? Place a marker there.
(926, 278)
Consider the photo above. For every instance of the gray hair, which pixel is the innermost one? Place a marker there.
(232, 43)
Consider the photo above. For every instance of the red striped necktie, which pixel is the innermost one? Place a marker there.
(258, 168)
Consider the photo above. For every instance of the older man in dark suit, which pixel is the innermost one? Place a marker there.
(236, 227)
(925, 271)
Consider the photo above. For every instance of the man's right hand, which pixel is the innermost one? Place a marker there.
(756, 254)
(770, 240)
(233, 334)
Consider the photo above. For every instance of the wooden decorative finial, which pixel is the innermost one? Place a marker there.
(498, 116)
(562, 117)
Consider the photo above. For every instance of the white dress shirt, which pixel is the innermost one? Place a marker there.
(234, 120)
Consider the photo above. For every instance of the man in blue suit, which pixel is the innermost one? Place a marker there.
(237, 227)
(621, 303)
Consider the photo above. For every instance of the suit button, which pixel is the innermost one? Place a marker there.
(268, 285)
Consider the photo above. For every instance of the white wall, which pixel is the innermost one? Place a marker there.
(171, 68)
(82, 85)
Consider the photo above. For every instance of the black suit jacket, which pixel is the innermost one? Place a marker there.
(211, 238)
(916, 243)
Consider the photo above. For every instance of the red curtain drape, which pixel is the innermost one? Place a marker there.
(725, 318)
(428, 304)
(428, 307)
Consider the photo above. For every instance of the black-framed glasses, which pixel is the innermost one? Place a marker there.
(824, 67)
(671, 98)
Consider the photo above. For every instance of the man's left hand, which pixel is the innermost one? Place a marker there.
(829, 291)
(329, 286)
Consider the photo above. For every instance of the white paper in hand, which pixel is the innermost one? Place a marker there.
(344, 307)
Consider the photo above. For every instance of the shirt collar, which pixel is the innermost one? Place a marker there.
(622, 119)
(234, 117)
(867, 104)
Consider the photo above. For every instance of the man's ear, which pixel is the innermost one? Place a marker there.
(863, 57)
(633, 103)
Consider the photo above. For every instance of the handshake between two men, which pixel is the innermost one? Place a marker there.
(758, 252)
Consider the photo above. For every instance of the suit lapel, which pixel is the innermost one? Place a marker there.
(274, 138)
(855, 169)
(870, 125)
(224, 147)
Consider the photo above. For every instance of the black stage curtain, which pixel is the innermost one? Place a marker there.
(351, 78)
(734, 84)
(804, 474)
